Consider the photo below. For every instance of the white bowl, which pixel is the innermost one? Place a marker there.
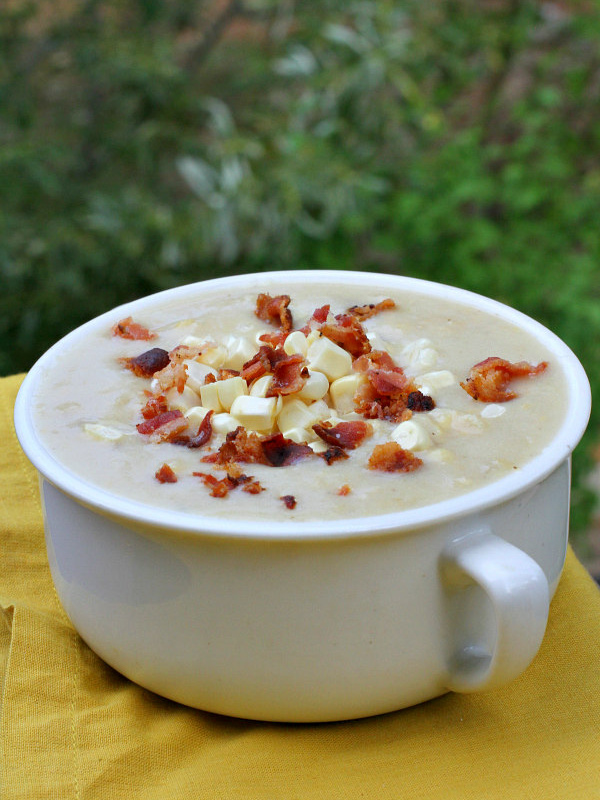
(323, 620)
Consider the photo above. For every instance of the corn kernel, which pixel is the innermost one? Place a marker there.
(411, 436)
(260, 386)
(209, 396)
(229, 389)
(327, 357)
(196, 374)
(315, 387)
(255, 413)
(295, 343)
(342, 391)
(182, 400)
(294, 414)
(239, 350)
(224, 423)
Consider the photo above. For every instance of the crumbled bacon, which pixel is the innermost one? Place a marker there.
(488, 380)
(275, 339)
(184, 352)
(173, 375)
(147, 364)
(370, 309)
(128, 329)
(344, 490)
(153, 423)
(289, 501)
(220, 487)
(319, 316)
(347, 332)
(287, 370)
(385, 393)
(390, 457)
(417, 401)
(202, 437)
(333, 453)
(275, 310)
(165, 474)
(155, 405)
(347, 435)
(281, 452)
(239, 446)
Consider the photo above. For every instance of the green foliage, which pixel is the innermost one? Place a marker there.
(150, 144)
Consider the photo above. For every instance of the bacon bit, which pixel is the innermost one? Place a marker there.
(146, 364)
(287, 370)
(222, 487)
(344, 490)
(239, 446)
(184, 352)
(258, 365)
(387, 391)
(253, 487)
(152, 424)
(288, 375)
(488, 380)
(390, 457)
(347, 435)
(417, 401)
(369, 310)
(348, 333)
(210, 378)
(281, 452)
(165, 474)
(156, 404)
(275, 310)
(333, 453)
(128, 329)
(173, 375)
(319, 316)
(274, 339)
(203, 436)
(289, 501)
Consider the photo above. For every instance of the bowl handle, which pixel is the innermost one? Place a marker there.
(498, 600)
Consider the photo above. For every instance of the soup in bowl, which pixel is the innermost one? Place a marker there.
(307, 496)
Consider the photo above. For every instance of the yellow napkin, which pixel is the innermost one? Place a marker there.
(71, 728)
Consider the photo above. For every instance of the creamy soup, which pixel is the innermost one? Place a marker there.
(97, 416)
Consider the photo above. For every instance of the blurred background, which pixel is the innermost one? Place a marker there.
(150, 143)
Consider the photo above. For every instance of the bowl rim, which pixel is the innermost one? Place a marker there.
(156, 517)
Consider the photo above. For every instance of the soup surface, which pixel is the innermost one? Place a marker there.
(411, 434)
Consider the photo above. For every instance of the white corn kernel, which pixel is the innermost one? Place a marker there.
(260, 386)
(239, 350)
(229, 389)
(466, 423)
(214, 355)
(429, 382)
(99, 431)
(294, 414)
(492, 410)
(209, 396)
(420, 354)
(411, 436)
(299, 435)
(195, 415)
(182, 400)
(318, 446)
(196, 374)
(224, 423)
(295, 343)
(342, 391)
(325, 356)
(255, 413)
(315, 387)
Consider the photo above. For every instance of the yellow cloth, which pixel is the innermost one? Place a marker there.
(74, 729)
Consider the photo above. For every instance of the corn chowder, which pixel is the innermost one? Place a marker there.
(324, 404)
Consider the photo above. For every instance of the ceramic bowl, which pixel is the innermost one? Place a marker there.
(317, 621)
